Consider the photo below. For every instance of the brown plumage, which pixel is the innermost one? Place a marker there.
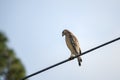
(72, 44)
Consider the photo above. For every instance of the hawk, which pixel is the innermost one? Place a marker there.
(72, 44)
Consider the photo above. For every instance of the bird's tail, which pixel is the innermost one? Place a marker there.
(79, 60)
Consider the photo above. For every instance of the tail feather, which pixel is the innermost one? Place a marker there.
(79, 61)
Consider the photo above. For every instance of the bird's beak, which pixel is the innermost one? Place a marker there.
(62, 34)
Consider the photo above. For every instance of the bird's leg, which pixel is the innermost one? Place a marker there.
(71, 57)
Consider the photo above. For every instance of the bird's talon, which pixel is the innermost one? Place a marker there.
(71, 58)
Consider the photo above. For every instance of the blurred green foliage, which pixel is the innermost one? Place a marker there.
(11, 67)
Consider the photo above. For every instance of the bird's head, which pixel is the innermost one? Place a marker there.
(65, 32)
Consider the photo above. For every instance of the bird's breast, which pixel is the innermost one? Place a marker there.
(69, 45)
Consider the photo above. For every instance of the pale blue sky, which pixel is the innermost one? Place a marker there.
(34, 30)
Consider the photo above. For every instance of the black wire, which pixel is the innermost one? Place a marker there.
(45, 69)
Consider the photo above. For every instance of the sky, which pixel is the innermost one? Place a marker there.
(34, 29)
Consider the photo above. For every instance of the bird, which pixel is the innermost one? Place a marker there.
(72, 44)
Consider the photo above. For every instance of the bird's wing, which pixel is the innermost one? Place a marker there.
(74, 42)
